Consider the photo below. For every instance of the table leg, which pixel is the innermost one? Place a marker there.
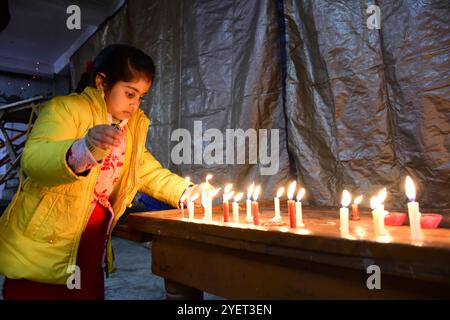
(178, 291)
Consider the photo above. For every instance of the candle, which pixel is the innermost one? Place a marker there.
(291, 205)
(204, 201)
(355, 210)
(226, 212)
(226, 208)
(345, 201)
(187, 181)
(205, 190)
(276, 202)
(413, 210)
(191, 206)
(226, 191)
(183, 198)
(374, 202)
(208, 177)
(381, 212)
(211, 195)
(255, 207)
(236, 207)
(298, 208)
(249, 217)
(225, 205)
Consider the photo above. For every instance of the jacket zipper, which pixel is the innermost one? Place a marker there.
(88, 214)
(122, 201)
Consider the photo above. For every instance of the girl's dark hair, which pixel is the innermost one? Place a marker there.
(119, 62)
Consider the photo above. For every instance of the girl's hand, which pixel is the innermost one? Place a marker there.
(104, 136)
(198, 189)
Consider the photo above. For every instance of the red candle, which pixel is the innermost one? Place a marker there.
(355, 213)
(227, 194)
(255, 213)
(292, 215)
(355, 210)
(226, 212)
(255, 208)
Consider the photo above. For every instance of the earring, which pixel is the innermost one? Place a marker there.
(102, 92)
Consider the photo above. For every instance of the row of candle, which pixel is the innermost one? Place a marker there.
(295, 207)
(379, 213)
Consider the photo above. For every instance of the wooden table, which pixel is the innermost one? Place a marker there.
(276, 262)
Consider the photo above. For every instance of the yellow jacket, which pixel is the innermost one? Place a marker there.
(41, 228)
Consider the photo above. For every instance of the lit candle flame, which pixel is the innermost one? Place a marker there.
(346, 198)
(410, 189)
(228, 196)
(250, 190)
(238, 197)
(357, 200)
(228, 188)
(300, 194)
(291, 189)
(382, 195)
(256, 193)
(204, 195)
(280, 192)
(187, 179)
(194, 197)
(213, 193)
(208, 177)
(374, 202)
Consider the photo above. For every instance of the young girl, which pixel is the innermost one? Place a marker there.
(85, 160)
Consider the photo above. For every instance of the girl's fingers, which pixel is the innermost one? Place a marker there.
(104, 136)
(103, 142)
(107, 132)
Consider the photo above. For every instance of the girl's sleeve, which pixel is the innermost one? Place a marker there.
(79, 158)
(53, 133)
(158, 182)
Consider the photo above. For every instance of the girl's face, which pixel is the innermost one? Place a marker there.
(124, 98)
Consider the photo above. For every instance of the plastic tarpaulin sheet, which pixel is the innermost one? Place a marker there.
(355, 108)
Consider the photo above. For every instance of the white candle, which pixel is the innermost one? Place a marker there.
(187, 182)
(380, 211)
(206, 189)
(374, 205)
(183, 198)
(210, 209)
(298, 208)
(381, 215)
(191, 206)
(236, 207)
(413, 210)
(204, 202)
(343, 214)
(235, 212)
(276, 203)
(191, 210)
(211, 195)
(249, 217)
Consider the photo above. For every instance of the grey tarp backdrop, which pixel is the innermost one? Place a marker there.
(357, 108)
